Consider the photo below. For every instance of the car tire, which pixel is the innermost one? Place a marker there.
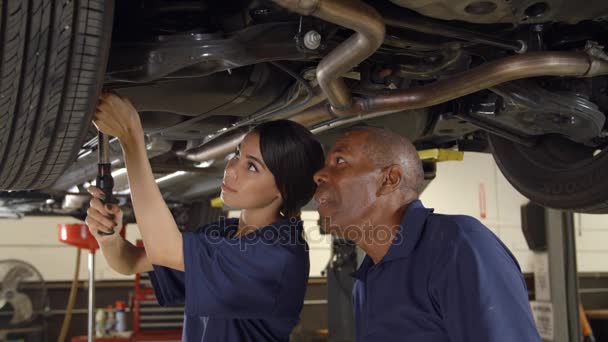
(556, 173)
(52, 63)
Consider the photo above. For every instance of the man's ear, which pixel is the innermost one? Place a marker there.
(391, 179)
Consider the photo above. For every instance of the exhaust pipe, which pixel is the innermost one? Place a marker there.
(575, 64)
(218, 148)
(368, 24)
(369, 28)
(352, 14)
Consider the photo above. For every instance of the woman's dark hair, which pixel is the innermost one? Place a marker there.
(293, 155)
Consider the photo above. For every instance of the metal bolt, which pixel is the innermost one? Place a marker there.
(312, 40)
(310, 74)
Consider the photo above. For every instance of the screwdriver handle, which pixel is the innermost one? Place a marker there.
(104, 180)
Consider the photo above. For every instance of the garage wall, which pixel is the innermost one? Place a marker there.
(472, 187)
(475, 184)
(35, 240)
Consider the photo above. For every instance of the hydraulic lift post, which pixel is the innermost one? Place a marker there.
(563, 275)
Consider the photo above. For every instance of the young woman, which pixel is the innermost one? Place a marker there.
(240, 279)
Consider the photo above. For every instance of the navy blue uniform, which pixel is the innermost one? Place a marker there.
(238, 289)
(444, 278)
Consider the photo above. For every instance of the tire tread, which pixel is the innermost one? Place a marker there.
(49, 80)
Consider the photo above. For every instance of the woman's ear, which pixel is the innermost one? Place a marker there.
(278, 199)
(392, 179)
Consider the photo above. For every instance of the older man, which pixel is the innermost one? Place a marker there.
(426, 277)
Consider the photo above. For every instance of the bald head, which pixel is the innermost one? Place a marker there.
(384, 148)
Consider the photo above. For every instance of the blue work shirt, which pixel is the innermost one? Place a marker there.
(238, 289)
(444, 278)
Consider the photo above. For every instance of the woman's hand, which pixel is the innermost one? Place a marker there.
(120, 254)
(102, 217)
(117, 117)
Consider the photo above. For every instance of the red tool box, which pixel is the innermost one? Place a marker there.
(152, 322)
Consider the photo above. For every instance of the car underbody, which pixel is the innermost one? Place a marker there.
(523, 80)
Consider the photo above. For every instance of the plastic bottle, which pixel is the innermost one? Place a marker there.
(110, 319)
(121, 320)
(100, 323)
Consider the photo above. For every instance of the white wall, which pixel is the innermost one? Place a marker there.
(35, 240)
(456, 190)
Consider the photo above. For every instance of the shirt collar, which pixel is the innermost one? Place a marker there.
(408, 235)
